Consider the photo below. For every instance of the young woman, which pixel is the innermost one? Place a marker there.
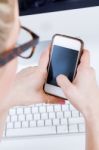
(25, 88)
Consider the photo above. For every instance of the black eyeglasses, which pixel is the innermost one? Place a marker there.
(25, 47)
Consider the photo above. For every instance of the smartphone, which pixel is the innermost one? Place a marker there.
(64, 58)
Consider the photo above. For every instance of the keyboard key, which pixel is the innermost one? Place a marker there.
(75, 114)
(34, 110)
(67, 114)
(51, 115)
(44, 116)
(55, 121)
(19, 111)
(65, 107)
(27, 110)
(38, 105)
(36, 116)
(17, 125)
(42, 109)
(40, 123)
(21, 118)
(48, 122)
(31, 131)
(82, 127)
(25, 124)
(32, 123)
(8, 119)
(62, 129)
(50, 109)
(76, 120)
(9, 125)
(59, 114)
(57, 108)
(29, 117)
(13, 118)
(63, 121)
(73, 128)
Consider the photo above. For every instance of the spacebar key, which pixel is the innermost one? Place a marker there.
(31, 131)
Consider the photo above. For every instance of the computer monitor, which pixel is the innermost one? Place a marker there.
(28, 7)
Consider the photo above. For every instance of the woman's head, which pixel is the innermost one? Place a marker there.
(9, 28)
(8, 23)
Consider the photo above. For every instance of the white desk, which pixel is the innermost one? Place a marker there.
(82, 23)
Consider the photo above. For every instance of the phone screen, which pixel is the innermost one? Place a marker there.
(63, 61)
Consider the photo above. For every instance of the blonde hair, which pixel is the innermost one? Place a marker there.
(7, 16)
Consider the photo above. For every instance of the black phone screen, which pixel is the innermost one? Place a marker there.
(63, 61)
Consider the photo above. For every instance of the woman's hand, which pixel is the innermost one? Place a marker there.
(84, 91)
(28, 86)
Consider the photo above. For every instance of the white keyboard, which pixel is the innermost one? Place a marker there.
(43, 119)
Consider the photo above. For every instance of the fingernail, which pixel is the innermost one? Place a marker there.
(58, 77)
(62, 102)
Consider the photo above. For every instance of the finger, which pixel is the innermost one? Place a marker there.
(43, 63)
(54, 100)
(85, 59)
(67, 87)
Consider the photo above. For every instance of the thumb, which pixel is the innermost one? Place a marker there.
(68, 88)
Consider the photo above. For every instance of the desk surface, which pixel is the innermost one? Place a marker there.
(79, 22)
(82, 23)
